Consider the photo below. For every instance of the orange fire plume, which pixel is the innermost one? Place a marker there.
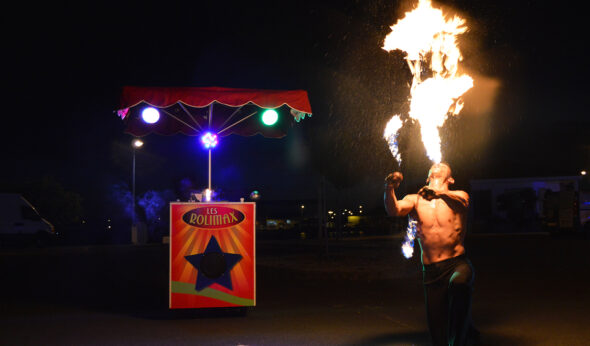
(433, 55)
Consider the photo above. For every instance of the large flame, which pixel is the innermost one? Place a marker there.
(433, 55)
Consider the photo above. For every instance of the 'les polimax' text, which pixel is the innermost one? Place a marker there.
(213, 217)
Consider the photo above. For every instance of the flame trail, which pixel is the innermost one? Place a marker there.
(430, 41)
(408, 244)
(390, 134)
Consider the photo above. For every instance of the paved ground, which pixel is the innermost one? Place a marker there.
(529, 290)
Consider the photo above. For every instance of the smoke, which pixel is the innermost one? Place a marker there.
(122, 198)
(184, 188)
(154, 204)
(151, 206)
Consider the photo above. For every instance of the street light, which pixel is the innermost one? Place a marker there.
(137, 143)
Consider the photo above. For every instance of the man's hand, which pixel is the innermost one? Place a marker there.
(428, 193)
(394, 179)
(393, 207)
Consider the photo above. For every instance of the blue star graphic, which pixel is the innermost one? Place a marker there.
(213, 266)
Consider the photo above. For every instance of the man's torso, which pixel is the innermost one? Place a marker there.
(441, 230)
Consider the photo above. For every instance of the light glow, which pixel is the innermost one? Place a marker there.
(208, 194)
(137, 143)
(150, 115)
(209, 140)
(255, 195)
(270, 117)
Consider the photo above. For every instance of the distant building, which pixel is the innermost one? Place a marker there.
(536, 204)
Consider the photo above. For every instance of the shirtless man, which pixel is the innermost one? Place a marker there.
(447, 273)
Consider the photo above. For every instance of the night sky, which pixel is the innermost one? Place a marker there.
(65, 64)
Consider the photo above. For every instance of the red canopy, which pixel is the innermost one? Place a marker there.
(202, 97)
(184, 109)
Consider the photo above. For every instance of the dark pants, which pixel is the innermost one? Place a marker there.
(448, 286)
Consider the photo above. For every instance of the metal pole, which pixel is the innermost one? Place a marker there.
(210, 122)
(209, 169)
(133, 184)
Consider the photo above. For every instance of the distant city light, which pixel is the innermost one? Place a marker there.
(138, 143)
(583, 172)
(209, 140)
(330, 212)
(302, 206)
(270, 117)
(150, 115)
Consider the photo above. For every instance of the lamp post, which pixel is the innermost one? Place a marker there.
(136, 144)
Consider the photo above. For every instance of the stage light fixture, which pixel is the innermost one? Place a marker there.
(150, 115)
(209, 140)
(270, 117)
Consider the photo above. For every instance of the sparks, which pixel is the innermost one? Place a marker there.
(430, 41)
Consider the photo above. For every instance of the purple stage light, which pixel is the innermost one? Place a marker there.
(209, 140)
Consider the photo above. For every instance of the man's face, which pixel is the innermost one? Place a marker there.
(439, 171)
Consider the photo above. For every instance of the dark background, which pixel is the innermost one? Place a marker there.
(65, 64)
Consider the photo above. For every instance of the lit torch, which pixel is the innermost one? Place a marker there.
(433, 55)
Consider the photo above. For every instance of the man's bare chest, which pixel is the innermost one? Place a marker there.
(434, 211)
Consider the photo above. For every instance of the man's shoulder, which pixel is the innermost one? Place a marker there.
(412, 197)
(460, 193)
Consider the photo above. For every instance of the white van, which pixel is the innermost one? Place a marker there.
(20, 221)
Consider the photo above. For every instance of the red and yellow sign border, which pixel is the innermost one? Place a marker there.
(187, 239)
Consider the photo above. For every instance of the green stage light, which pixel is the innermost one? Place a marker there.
(270, 117)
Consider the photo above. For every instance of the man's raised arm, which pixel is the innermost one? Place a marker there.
(458, 200)
(393, 207)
